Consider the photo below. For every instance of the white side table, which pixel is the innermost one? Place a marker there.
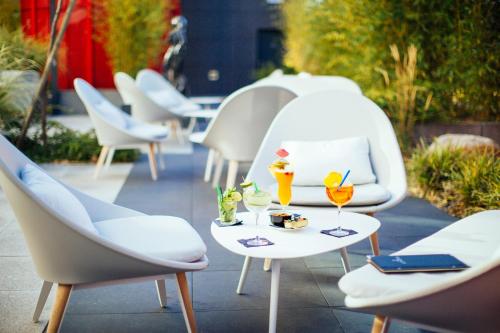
(292, 244)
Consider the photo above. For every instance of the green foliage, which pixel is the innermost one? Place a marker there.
(18, 52)
(10, 15)
(463, 181)
(268, 68)
(64, 144)
(132, 33)
(458, 43)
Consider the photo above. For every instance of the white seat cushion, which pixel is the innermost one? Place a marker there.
(164, 237)
(186, 107)
(471, 240)
(56, 196)
(364, 195)
(313, 160)
(152, 132)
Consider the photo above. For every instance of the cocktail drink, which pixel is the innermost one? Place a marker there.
(228, 204)
(339, 193)
(284, 179)
(283, 173)
(256, 201)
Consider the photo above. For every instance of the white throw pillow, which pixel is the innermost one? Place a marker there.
(56, 196)
(313, 160)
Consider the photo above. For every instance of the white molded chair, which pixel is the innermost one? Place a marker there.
(330, 115)
(117, 130)
(237, 130)
(164, 93)
(74, 257)
(306, 84)
(466, 301)
(144, 108)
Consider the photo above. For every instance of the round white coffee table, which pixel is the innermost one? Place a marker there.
(292, 244)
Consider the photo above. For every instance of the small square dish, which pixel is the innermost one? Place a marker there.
(287, 221)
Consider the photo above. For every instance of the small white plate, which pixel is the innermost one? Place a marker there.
(285, 229)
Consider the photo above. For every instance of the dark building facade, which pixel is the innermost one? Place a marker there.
(227, 41)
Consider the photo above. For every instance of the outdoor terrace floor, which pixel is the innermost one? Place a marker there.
(310, 300)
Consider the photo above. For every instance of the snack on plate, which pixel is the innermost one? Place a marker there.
(288, 221)
(298, 223)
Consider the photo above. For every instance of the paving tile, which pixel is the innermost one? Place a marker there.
(18, 273)
(124, 323)
(328, 279)
(308, 320)
(12, 241)
(16, 309)
(125, 298)
(216, 290)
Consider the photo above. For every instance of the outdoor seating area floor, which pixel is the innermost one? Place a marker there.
(310, 300)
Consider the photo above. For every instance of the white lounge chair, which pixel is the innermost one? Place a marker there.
(164, 93)
(330, 115)
(144, 108)
(117, 130)
(237, 130)
(466, 301)
(80, 242)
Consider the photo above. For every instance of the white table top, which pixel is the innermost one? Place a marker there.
(295, 243)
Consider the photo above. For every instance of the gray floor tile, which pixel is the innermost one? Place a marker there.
(328, 279)
(18, 273)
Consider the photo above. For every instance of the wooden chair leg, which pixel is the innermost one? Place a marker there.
(59, 307)
(267, 264)
(187, 307)
(100, 160)
(152, 161)
(374, 240)
(381, 324)
(162, 292)
(232, 172)
(42, 299)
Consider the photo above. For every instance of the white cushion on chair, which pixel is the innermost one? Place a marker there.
(153, 132)
(164, 237)
(364, 195)
(56, 196)
(313, 160)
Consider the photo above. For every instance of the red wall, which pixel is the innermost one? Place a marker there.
(80, 55)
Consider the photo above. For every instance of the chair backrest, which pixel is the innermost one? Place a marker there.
(142, 106)
(243, 119)
(307, 84)
(152, 81)
(101, 111)
(329, 115)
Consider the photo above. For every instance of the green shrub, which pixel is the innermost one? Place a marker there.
(462, 181)
(132, 33)
(66, 145)
(458, 43)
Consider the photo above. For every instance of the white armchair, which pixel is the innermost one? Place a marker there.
(330, 115)
(116, 245)
(466, 301)
(144, 108)
(117, 130)
(237, 130)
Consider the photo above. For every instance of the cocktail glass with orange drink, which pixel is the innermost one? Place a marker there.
(283, 173)
(339, 193)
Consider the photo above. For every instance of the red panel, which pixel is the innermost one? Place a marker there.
(80, 55)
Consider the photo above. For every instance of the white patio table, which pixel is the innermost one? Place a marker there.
(289, 244)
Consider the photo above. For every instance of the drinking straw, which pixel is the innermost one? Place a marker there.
(219, 193)
(343, 179)
(256, 187)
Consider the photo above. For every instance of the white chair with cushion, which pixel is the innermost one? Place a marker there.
(146, 109)
(335, 130)
(164, 93)
(80, 242)
(117, 130)
(466, 301)
(235, 134)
